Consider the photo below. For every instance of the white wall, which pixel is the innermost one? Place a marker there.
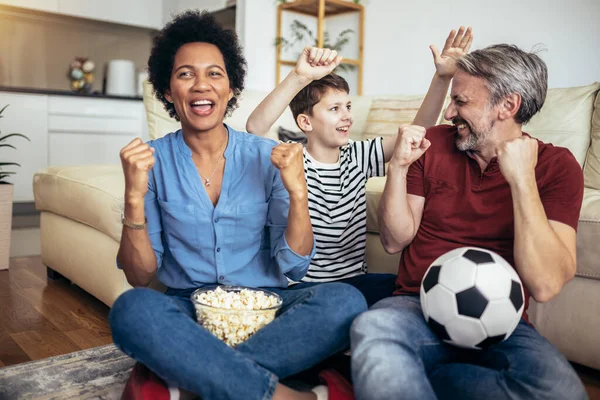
(398, 33)
(256, 26)
(171, 7)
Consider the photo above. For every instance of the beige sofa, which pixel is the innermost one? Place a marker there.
(81, 205)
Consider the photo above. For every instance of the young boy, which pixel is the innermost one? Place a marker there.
(337, 168)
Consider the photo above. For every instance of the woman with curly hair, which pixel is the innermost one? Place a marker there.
(208, 205)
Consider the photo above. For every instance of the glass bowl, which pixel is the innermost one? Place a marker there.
(235, 325)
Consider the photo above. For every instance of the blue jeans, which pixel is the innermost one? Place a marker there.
(374, 287)
(396, 355)
(160, 331)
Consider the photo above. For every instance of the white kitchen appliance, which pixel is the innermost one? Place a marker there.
(120, 78)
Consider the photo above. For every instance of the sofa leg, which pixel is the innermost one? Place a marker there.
(52, 274)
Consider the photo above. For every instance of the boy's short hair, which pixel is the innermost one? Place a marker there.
(310, 95)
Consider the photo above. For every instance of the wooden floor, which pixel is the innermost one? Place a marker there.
(42, 318)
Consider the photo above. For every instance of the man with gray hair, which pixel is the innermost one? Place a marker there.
(480, 182)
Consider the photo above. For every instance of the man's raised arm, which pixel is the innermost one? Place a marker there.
(400, 213)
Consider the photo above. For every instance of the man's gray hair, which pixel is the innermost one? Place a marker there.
(507, 69)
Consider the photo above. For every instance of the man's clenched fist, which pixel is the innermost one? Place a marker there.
(517, 159)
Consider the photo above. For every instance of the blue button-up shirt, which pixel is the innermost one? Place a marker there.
(241, 241)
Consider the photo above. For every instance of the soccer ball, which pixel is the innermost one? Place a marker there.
(472, 298)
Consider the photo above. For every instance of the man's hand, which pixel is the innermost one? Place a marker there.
(137, 158)
(456, 46)
(517, 159)
(288, 159)
(314, 63)
(410, 145)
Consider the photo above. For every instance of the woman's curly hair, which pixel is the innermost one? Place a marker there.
(189, 27)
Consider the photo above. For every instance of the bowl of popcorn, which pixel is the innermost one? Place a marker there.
(234, 313)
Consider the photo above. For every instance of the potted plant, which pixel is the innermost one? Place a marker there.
(6, 198)
(302, 34)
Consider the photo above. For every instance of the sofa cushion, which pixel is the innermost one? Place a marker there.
(297, 136)
(374, 190)
(592, 166)
(159, 121)
(570, 321)
(566, 118)
(91, 194)
(361, 107)
(588, 232)
(388, 113)
(248, 101)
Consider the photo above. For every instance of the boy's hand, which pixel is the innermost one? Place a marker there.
(288, 159)
(410, 145)
(314, 63)
(456, 46)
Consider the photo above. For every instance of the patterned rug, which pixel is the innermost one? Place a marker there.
(99, 373)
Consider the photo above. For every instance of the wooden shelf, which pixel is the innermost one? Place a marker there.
(321, 9)
(344, 61)
(311, 7)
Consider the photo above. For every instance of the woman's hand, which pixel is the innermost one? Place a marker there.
(288, 159)
(137, 158)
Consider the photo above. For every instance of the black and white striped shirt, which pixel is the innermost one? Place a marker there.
(338, 212)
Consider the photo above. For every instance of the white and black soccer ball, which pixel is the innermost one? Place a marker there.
(472, 298)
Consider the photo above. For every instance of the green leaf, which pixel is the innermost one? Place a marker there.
(279, 41)
(301, 34)
(345, 67)
(13, 134)
(346, 32)
(326, 40)
(4, 175)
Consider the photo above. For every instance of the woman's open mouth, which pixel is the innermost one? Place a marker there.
(202, 107)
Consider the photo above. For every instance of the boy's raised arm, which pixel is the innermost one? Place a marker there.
(457, 44)
(314, 63)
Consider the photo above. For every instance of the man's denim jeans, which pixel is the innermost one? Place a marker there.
(396, 356)
(160, 331)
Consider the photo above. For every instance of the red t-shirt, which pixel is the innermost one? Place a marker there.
(465, 207)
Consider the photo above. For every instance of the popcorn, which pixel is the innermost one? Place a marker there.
(234, 314)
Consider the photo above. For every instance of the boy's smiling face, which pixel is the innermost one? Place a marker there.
(331, 120)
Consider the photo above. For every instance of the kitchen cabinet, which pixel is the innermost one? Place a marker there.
(26, 114)
(152, 14)
(142, 13)
(66, 130)
(172, 7)
(39, 5)
(91, 131)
